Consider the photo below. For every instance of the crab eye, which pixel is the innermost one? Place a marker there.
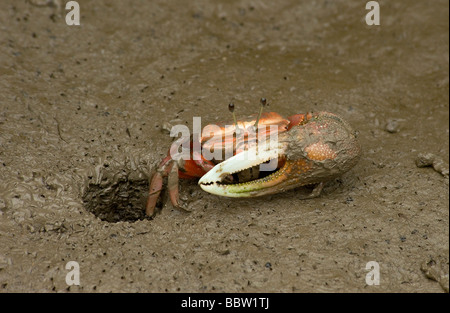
(231, 107)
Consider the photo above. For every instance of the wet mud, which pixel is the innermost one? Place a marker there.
(84, 114)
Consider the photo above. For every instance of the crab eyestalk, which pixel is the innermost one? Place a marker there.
(231, 108)
(263, 103)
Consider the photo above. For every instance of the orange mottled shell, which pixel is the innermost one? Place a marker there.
(223, 136)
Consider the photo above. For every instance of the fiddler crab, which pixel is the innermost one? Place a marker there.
(304, 149)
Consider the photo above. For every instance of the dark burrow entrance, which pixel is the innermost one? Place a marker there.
(122, 200)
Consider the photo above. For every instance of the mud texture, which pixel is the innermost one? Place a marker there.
(83, 117)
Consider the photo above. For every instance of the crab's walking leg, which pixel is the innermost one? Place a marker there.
(153, 193)
(315, 193)
(173, 184)
(156, 185)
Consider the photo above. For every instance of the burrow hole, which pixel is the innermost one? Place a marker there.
(117, 200)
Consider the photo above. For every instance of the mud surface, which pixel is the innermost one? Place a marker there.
(81, 114)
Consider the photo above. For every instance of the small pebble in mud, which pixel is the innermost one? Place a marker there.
(392, 126)
(2, 204)
(4, 262)
(429, 159)
(166, 127)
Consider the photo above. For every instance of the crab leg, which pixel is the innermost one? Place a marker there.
(315, 193)
(155, 190)
(156, 184)
(173, 184)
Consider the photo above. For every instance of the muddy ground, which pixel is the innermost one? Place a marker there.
(82, 116)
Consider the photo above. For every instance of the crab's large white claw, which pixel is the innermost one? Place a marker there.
(254, 156)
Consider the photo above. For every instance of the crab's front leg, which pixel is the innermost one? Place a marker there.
(173, 184)
(173, 170)
(315, 192)
(168, 167)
